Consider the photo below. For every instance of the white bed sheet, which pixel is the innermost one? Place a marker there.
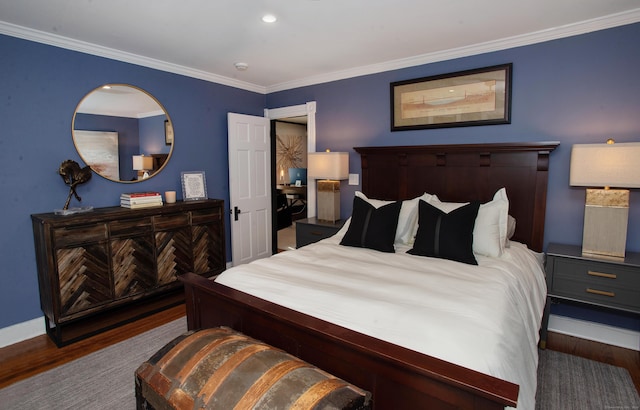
(483, 317)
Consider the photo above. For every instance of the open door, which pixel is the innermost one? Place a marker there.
(250, 187)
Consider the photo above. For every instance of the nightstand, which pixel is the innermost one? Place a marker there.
(613, 284)
(312, 230)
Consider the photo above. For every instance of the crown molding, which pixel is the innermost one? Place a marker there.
(587, 26)
(119, 55)
(601, 23)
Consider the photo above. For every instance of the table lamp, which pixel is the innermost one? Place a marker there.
(606, 214)
(142, 163)
(329, 167)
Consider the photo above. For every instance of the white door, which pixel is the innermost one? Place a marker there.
(249, 187)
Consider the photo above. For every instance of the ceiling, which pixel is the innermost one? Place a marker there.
(312, 41)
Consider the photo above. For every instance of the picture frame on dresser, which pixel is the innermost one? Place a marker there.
(479, 96)
(194, 185)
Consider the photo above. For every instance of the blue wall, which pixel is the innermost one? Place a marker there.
(581, 89)
(40, 87)
(573, 90)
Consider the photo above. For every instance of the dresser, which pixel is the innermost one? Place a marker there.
(103, 268)
(610, 283)
(312, 230)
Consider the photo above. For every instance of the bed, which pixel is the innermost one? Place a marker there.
(398, 372)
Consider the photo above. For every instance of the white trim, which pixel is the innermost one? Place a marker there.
(119, 55)
(587, 26)
(611, 335)
(21, 331)
(601, 23)
(308, 109)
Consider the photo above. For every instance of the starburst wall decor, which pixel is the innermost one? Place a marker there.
(290, 152)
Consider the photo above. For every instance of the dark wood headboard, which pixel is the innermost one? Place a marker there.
(466, 172)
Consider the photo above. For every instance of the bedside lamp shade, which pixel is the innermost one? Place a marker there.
(329, 167)
(606, 210)
(605, 165)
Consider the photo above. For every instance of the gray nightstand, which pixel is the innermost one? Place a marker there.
(613, 284)
(312, 230)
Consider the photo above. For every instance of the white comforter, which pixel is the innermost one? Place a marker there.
(482, 317)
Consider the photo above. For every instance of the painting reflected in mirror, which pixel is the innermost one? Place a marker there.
(117, 122)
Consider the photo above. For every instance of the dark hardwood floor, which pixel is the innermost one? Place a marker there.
(25, 359)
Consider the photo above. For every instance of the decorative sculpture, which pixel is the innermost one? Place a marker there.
(73, 176)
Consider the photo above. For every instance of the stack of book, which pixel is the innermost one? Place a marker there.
(135, 200)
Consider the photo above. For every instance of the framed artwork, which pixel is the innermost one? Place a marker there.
(194, 186)
(473, 97)
(168, 133)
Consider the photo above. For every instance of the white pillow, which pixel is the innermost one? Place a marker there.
(408, 218)
(490, 230)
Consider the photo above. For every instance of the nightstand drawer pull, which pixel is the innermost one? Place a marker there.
(601, 292)
(602, 275)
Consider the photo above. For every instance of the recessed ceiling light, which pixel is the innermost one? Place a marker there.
(269, 18)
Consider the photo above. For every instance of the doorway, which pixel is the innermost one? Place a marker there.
(290, 137)
(302, 118)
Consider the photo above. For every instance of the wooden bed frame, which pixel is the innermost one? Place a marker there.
(397, 377)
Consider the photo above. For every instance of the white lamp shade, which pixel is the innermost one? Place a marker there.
(142, 163)
(605, 165)
(328, 165)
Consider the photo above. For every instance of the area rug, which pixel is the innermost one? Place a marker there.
(100, 380)
(105, 380)
(571, 382)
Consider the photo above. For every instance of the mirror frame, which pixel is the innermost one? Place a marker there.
(168, 123)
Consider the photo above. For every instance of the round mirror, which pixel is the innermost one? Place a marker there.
(123, 133)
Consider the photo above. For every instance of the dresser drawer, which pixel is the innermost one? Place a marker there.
(623, 298)
(596, 274)
(78, 235)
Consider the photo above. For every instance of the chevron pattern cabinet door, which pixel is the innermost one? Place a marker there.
(173, 250)
(133, 264)
(83, 275)
(207, 242)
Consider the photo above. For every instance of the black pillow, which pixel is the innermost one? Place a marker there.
(446, 236)
(372, 228)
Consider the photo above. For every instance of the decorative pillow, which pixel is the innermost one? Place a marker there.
(372, 227)
(408, 218)
(446, 235)
(490, 232)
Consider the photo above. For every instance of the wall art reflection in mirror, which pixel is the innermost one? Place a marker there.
(116, 123)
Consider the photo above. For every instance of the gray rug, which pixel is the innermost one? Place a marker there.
(105, 380)
(101, 380)
(571, 382)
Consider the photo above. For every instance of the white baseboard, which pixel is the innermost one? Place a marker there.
(597, 332)
(22, 331)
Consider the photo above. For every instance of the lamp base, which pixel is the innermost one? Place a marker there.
(606, 215)
(328, 200)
